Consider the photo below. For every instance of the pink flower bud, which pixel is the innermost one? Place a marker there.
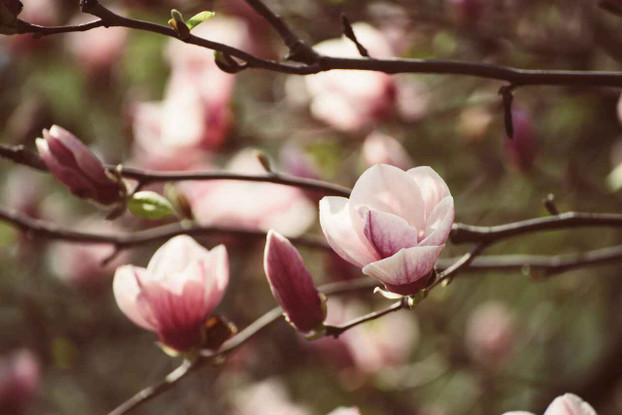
(176, 293)
(71, 162)
(393, 226)
(291, 284)
(19, 376)
(380, 148)
(521, 146)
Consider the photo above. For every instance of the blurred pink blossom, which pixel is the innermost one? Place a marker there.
(380, 148)
(491, 332)
(619, 108)
(19, 378)
(81, 264)
(98, 49)
(352, 100)
(266, 397)
(393, 226)
(295, 161)
(23, 191)
(249, 205)
(466, 11)
(567, 404)
(371, 346)
(292, 284)
(176, 293)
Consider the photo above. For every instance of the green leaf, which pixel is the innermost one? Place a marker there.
(150, 205)
(199, 18)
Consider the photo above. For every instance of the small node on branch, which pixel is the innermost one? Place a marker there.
(349, 33)
(264, 160)
(506, 93)
(549, 204)
(303, 53)
(227, 64)
(179, 25)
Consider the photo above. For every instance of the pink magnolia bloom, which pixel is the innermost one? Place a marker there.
(248, 205)
(71, 162)
(352, 100)
(490, 332)
(291, 284)
(19, 377)
(96, 50)
(567, 404)
(380, 148)
(176, 293)
(394, 225)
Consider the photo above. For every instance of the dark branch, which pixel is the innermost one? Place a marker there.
(468, 233)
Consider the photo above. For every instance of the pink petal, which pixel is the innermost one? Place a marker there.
(391, 190)
(433, 187)
(340, 233)
(388, 233)
(518, 413)
(126, 290)
(175, 256)
(569, 404)
(85, 159)
(439, 223)
(406, 267)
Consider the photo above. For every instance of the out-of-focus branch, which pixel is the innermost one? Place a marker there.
(314, 62)
(21, 155)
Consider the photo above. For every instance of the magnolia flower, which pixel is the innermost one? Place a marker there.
(19, 377)
(71, 162)
(291, 284)
(380, 148)
(269, 396)
(177, 291)
(394, 225)
(567, 404)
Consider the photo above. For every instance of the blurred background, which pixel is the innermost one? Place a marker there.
(488, 343)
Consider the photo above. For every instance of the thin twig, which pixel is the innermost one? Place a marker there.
(336, 331)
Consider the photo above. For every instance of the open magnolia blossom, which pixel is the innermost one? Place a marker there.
(176, 293)
(394, 225)
(567, 404)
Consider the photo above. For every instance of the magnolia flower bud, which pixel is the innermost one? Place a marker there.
(521, 146)
(71, 162)
(291, 284)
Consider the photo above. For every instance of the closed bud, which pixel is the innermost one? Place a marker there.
(71, 162)
(179, 25)
(291, 284)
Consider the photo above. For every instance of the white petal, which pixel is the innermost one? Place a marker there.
(174, 256)
(405, 267)
(438, 225)
(126, 289)
(217, 268)
(569, 404)
(391, 190)
(341, 234)
(433, 187)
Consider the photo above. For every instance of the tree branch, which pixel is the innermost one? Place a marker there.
(315, 62)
